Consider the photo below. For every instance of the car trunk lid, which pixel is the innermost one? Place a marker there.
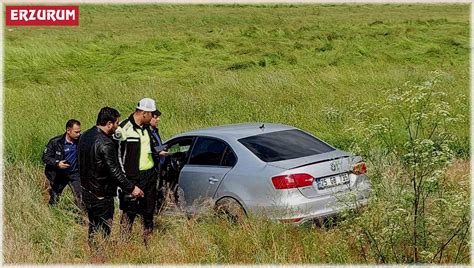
(330, 171)
(309, 160)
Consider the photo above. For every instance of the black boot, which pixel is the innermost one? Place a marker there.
(53, 197)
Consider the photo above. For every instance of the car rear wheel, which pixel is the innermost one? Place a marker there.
(230, 208)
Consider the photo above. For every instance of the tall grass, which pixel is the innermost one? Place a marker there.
(305, 65)
(35, 233)
(210, 65)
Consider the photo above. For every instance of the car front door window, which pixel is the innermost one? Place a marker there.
(207, 152)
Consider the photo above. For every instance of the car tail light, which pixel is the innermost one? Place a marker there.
(292, 181)
(359, 168)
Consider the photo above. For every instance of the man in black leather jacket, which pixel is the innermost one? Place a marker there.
(100, 172)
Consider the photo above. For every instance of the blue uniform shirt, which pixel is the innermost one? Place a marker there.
(156, 136)
(70, 156)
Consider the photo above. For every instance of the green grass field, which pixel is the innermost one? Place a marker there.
(310, 66)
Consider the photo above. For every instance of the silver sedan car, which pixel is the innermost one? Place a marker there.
(274, 170)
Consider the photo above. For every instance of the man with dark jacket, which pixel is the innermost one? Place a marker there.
(60, 157)
(101, 173)
(135, 153)
(159, 154)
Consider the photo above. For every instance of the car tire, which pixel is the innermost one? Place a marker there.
(230, 208)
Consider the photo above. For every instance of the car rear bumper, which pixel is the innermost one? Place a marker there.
(299, 209)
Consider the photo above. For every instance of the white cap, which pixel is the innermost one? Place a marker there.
(147, 105)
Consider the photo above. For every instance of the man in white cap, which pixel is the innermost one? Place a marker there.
(135, 156)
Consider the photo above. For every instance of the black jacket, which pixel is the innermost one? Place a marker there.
(98, 165)
(52, 154)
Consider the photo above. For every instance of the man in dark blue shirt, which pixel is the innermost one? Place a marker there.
(60, 157)
(159, 158)
(156, 136)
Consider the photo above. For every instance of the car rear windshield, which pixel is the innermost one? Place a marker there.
(284, 145)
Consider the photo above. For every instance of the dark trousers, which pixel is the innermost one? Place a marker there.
(145, 206)
(100, 212)
(57, 186)
(160, 193)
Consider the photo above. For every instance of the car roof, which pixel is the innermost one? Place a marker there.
(237, 131)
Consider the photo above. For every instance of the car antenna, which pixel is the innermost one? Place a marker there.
(262, 126)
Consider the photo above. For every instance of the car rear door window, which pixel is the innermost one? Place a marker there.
(229, 158)
(284, 145)
(208, 151)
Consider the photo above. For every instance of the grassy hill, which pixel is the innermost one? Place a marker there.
(311, 66)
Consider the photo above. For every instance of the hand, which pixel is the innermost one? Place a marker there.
(164, 153)
(137, 192)
(63, 165)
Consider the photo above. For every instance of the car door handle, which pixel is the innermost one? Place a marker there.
(213, 180)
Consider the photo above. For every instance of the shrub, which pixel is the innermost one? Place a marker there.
(417, 215)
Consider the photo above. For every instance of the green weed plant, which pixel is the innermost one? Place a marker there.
(417, 215)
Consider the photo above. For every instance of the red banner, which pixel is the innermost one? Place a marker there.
(42, 16)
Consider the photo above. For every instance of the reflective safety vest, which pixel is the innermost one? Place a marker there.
(135, 152)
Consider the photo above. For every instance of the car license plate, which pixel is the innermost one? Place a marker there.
(332, 181)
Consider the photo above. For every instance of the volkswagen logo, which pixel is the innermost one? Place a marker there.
(336, 165)
(333, 166)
